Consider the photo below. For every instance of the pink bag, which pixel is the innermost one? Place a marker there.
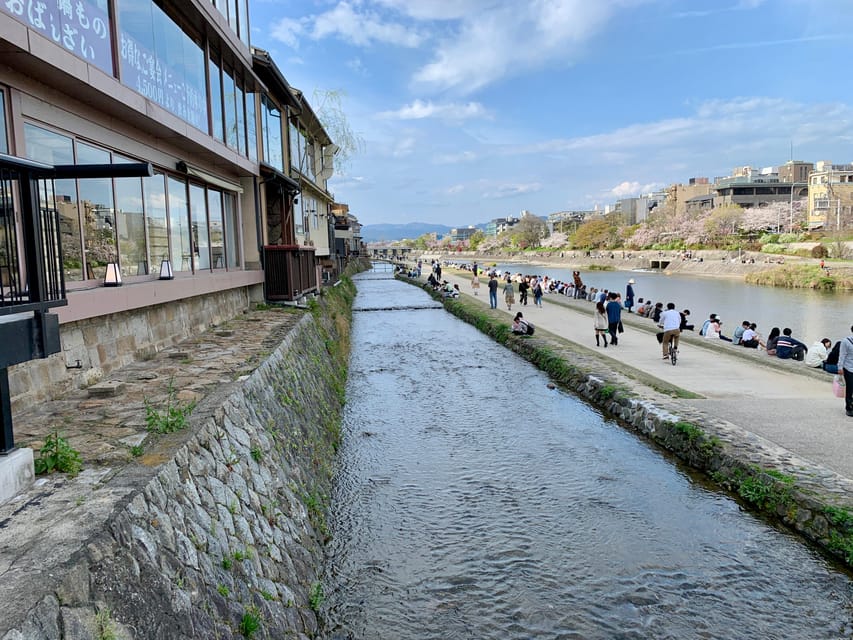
(838, 386)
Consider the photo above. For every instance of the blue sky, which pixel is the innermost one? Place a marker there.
(476, 109)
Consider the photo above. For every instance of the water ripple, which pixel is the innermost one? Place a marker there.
(472, 502)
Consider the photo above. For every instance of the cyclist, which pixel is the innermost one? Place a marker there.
(670, 321)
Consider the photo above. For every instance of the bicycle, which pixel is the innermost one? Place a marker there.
(673, 352)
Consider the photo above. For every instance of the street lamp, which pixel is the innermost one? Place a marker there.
(791, 206)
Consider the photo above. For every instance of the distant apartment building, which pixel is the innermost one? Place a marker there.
(462, 234)
(566, 221)
(756, 189)
(633, 210)
(795, 171)
(677, 195)
(830, 196)
(497, 226)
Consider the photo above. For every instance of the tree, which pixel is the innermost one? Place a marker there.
(595, 234)
(529, 232)
(723, 223)
(328, 105)
(476, 240)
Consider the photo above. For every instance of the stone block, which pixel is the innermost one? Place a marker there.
(16, 473)
(107, 389)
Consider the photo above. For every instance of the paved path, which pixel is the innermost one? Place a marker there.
(781, 401)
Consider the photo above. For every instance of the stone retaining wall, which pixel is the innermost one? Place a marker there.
(106, 343)
(228, 531)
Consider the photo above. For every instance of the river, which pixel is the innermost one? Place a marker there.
(471, 501)
(811, 314)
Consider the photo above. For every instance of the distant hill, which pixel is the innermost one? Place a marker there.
(391, 232)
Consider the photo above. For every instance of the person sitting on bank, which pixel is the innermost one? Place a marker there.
(818, 353)
(656, 312)
(738, 334)
(715, 331)
(750, 338)
(788, 347)
(830, 365)
(772, 339)
(685, 323)
(705, 324)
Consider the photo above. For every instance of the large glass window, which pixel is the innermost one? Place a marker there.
(216, 100)
(99, 226)
(160, 61)
(81, 27)
(156, 218)
(252, 127)
(179, 228)
(229, 92)
(232, 238)
(53, 148)
(297, 145)
(4, 141)
(130, 222)
(271, 134)
(217, 235)
(241, 120)
(198, 220)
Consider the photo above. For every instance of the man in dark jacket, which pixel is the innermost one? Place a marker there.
(614, 316)
(788, 347)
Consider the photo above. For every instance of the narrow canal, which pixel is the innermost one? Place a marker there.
(473, 502)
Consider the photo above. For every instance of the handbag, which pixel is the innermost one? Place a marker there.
(838, 386)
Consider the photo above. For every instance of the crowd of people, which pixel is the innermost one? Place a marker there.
(607, 321)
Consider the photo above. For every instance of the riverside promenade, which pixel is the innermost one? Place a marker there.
(779, 406)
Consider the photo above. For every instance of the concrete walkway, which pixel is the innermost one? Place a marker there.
(782, 401)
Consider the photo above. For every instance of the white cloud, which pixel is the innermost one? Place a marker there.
(455, 158)
(357, 66)
(632, 189)
(404, 147)
(288, 31)
(505, 39)
(449, 111)
(509, 190)
(362, 28)
(457, 188)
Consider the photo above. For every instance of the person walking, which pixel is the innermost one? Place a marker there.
(537, 294)
(599, 324)
(509, 295)
(845, 364)
(523, 287)
(475, 282)
(671, 323)
(614, 317)
(629, 295)
(493, 291)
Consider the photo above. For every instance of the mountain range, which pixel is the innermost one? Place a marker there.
(391, 232)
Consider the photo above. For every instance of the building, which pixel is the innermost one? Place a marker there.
(239, 182)
(462, 234)
(795, 171)
(633, 210)
(756, 190)
(678, 195)
(830, 196)
(497, 226)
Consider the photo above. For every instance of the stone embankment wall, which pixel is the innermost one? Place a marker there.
(228, 531)
(810, 500)
(106, 343)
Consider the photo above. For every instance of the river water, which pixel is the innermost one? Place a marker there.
(811, 315)
(473, 502)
